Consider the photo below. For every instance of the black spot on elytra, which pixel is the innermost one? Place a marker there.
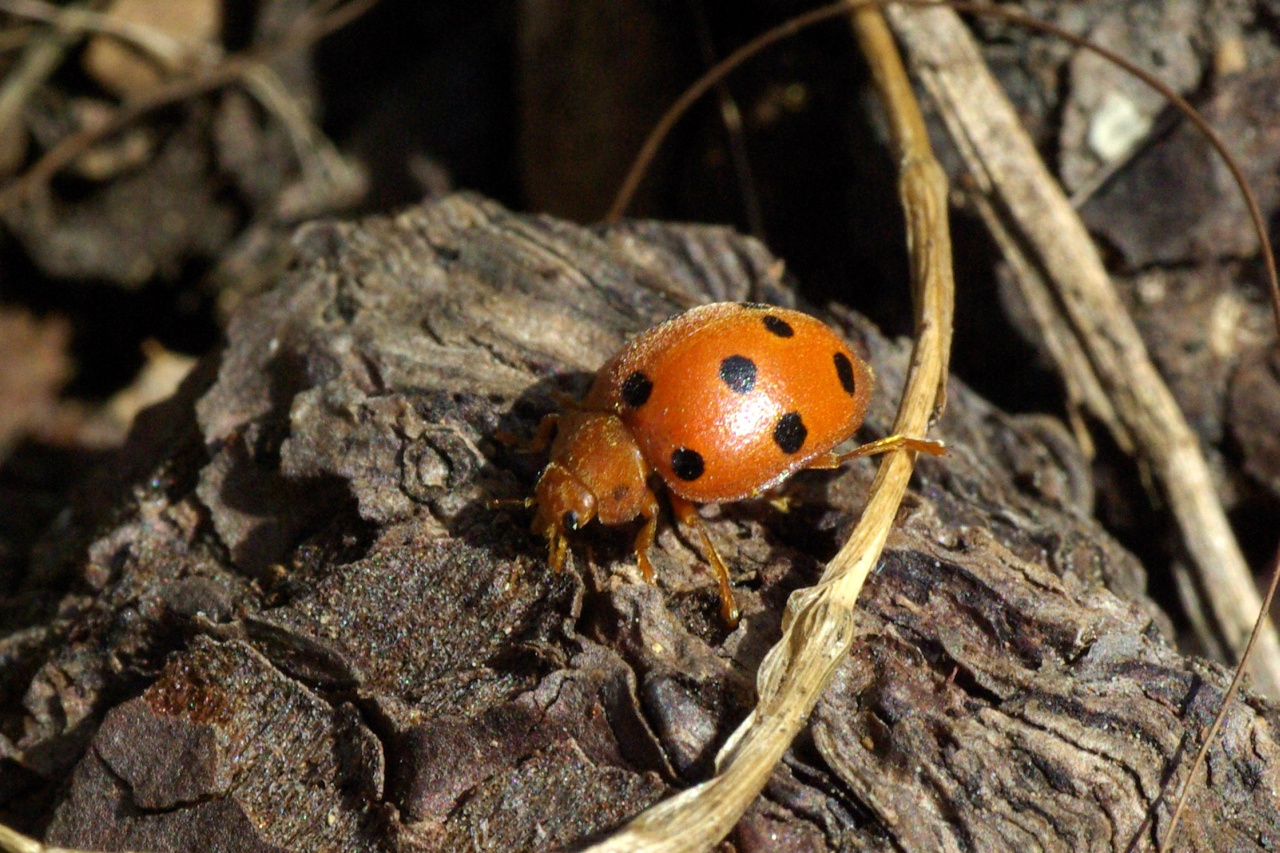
(620, 491)
(687, 464)
(739, 373)
(636, 389)
(570, 520)
(844, 369)
(790, 433)
(778, 326)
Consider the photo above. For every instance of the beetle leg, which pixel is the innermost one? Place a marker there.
(499, 503)
(883, 445)
(556, 546)
(897, 442)
(687, 513)
(644, 539)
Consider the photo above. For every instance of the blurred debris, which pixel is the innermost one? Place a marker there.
(34, 365)
(183, 36)
(160, 376)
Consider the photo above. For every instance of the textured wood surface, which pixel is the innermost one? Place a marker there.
(297, 625)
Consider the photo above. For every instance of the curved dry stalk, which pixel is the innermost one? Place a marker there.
(818, 626)
(735, 134)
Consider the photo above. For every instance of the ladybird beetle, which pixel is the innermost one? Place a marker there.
(722, 402)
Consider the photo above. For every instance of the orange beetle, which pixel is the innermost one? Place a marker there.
(722, 402)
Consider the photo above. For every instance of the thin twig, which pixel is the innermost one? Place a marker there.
(818, 627)
(322, 165)
(1211, 735)
(731, 118)
(67, 150)
(662, 128)
(327, 19)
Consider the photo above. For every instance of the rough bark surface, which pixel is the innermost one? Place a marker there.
(297, 625)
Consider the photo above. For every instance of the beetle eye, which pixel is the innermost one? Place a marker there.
(570, 520)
